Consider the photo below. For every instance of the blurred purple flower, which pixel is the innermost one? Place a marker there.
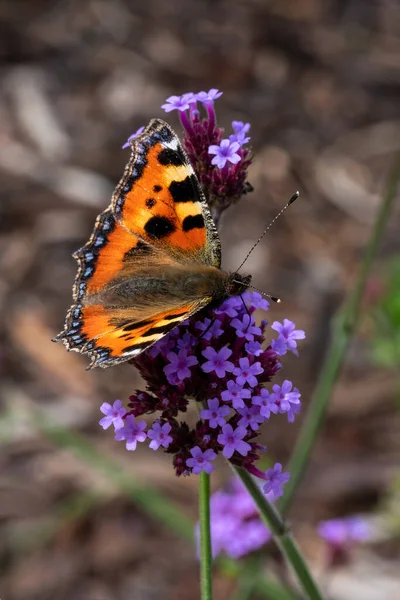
(343, 532)
(236, 527)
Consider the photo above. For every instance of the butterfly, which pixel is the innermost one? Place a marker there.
(153, 259)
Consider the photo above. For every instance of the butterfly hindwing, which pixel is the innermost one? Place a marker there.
(159, 198)
(123, 334)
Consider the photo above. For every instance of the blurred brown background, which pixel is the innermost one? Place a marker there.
(319, 80)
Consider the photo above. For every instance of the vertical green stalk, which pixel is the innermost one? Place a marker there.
(205, 537)
(282, 536)
(344, 327)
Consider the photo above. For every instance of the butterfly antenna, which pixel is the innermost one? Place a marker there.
(292, 199)
(273, 298)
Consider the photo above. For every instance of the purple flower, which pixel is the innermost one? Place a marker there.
(159, 435)
(201, 461)
(186, 342)
(229, 307)
(232, 440)
(215, 413)
(217, 361)
(178, 369)
(113, 414)
(251, 417)
(226, 151)
(253, 348)
(287, 337)
(255, 300)
(283, 397)
(294, 409)
(180, 103)
(246, 328)
(132, 137)
(133, 432)
(235, 394)
(248, 537)
(209, 96)
(163, 347)
(341, 532)
(212, 330)
(275, 480)
(266, 405)
(246, 373)
(236, 527)
(240, 130)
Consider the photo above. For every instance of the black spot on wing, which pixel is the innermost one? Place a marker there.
(167, 157)
(184, 191)
(137, 325)
(141, 249)
(158, 227)
(157, 188)
(150, 202)
(156, 330)
(173, 317)
(193, 222)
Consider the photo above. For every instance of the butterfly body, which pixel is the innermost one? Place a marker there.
(152, 260)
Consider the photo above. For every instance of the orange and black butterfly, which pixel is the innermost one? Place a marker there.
(152, 260)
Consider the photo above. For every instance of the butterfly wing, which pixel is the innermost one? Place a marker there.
(160, 199)
(122, 304)
(158, 222)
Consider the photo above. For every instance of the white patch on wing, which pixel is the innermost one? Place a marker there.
(172, 145)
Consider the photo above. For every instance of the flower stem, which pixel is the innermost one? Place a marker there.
(205, 537)
(344, 326)
(282, 535)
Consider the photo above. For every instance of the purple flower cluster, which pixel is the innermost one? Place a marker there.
(340, 536)
(220, 162)
(217, 359)
(236, 526)
(237, 529)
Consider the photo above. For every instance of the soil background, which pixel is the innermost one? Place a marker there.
(319, 81)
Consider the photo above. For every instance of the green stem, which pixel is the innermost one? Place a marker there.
(282, 535)
(344, 326)
(205, 537)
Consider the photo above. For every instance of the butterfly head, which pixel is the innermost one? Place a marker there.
(237, 284)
